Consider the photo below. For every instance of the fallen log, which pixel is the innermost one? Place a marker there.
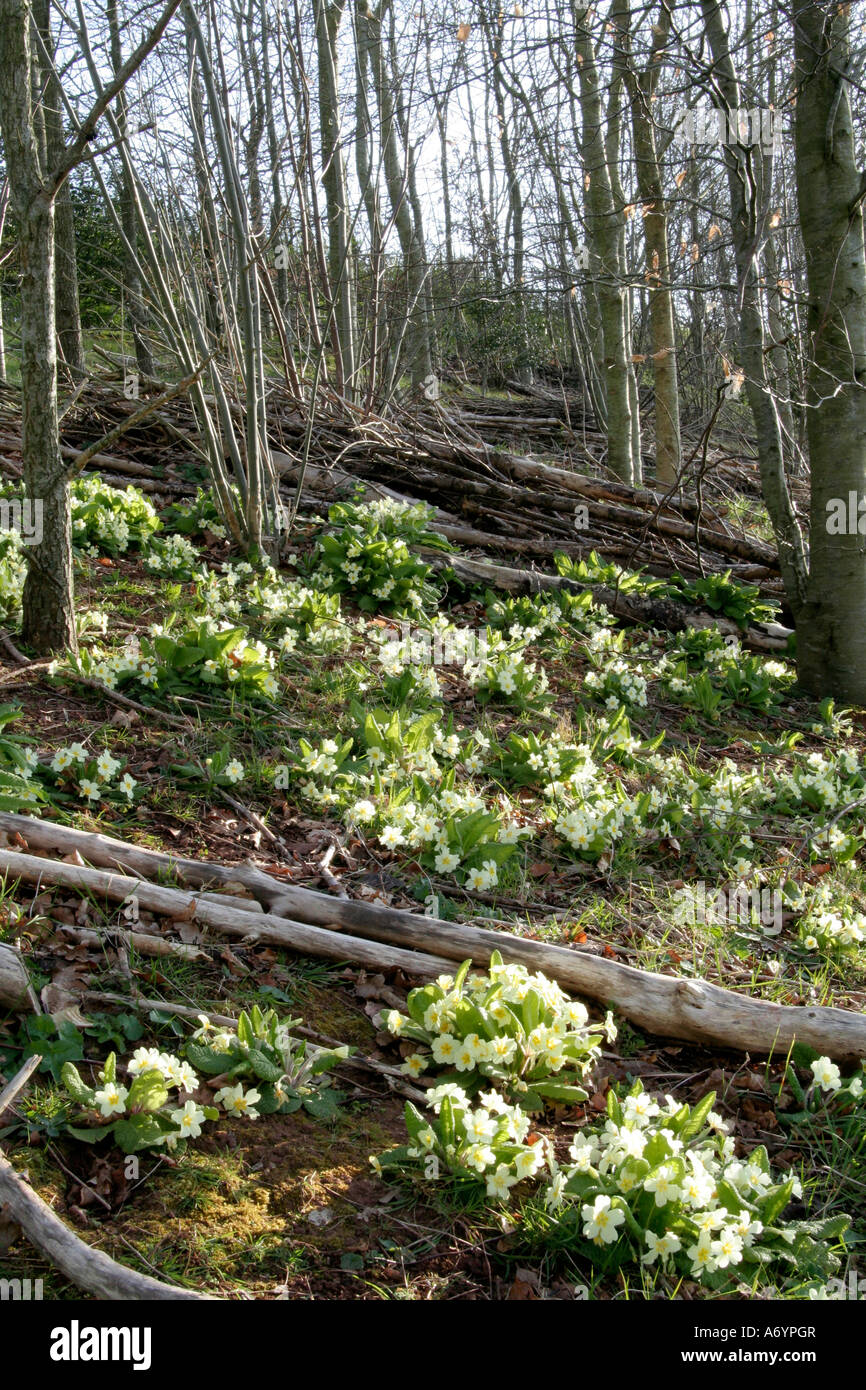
(14, 982)
(665, 1005)
(328, 943)
(87, 1268)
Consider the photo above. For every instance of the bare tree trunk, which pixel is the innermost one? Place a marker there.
(603, 229)
(4, 203)
(831, 626)
(495, 37)
(748, 222)
(658, 274)
(274, 155)
(395, 161)
(129, 217)
(66, 308)
(49, 621)
(341, 269)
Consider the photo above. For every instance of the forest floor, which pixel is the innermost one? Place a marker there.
(627, 781)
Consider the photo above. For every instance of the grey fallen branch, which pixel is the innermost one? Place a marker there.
(14, 980)
(665, 1005)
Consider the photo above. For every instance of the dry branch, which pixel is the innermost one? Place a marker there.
(437, 456)
(330, 944)
(665, 1005)
(87, 1268)
(14, 983)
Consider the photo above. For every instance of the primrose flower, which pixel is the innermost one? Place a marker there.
(601, 1220)
(392, 836)
(701, 1256)
(189, 1120)
(446, 862)
(728, 1249)
(555, 1194)
(500, 1182)
(479, 1157)
(659, 1246)
(414, 1064)
(826, 1074)
(445, 1050)
(234, 771)
(528, 1161)
(235, 1101)
(479, 1126)
(465, 1057)
(106, 766)
(111, 1100)
(449, 1090)
(663, 1184)
(144, 1059)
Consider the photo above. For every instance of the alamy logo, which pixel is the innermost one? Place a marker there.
(740, 907)
(416, 644)
(720, 125)
(77, 1343)
(23, 515)
(850, 1288)
(20, 1290)
(846, 518)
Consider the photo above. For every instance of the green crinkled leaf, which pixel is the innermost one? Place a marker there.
(90, 1136)
(729, 1198)
(208, 1060)
(136, 1132)
(829, 1229)
(262, 1066)
(245, 1031)
(267, 1104)
(461, 974)
(775, 1202)
(394, 1158)
(323, 1105)
(148, 1091)
(71, 1079)
(324, 1061)
(695, 1123)
(420, 1000)
(559, 1091)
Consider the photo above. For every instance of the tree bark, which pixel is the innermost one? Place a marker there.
(49, 622)
(657, 275)
(748, 224)
(67, 311)
(831, 627)
(341, 268)
(129, 217)
(604, 228)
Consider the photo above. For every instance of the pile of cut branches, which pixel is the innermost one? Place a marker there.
(487, 497)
